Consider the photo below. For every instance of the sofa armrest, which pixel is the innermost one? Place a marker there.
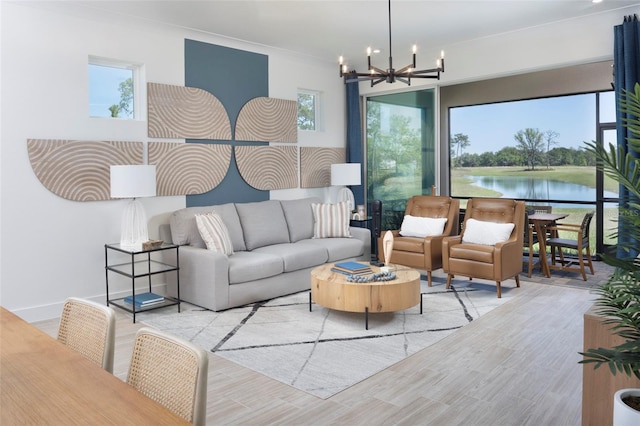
(364, 235)
(204, 278)
(448, 242)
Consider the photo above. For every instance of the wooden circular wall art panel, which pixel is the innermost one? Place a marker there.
(268, 167)
(268, 120)
(80, 170)
(188, 168)
(185, 112)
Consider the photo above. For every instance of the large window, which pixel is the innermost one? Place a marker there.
(534, 150)
(113, 87)
(400, 150)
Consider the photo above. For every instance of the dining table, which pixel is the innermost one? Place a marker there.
(540, 222)
(42, 381)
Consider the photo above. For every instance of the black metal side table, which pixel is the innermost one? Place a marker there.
(141, 264)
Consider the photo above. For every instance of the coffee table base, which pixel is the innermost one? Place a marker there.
(366, 310)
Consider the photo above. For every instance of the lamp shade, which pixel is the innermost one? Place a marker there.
(133, 181)
(345, 174)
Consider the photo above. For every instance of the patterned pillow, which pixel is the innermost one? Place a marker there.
(331, 220)
(214, 233)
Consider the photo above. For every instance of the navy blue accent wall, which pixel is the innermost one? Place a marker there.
(234, 77)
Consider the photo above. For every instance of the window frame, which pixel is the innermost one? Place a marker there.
(317, 109)
(137, 80)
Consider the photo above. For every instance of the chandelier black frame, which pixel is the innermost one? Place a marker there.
(390, 75)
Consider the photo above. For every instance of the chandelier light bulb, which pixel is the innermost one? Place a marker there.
(341, 60)
(390, 74)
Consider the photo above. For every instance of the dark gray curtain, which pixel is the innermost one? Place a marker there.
(354, 134)
(626, 73)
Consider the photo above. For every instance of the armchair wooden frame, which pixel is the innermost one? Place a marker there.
(424, 253)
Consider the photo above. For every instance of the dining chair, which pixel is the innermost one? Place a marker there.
(531, 237)
(172, 372)
(580, 245)
(89, 328)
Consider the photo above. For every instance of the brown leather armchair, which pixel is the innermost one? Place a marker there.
(497, 262)
(424, 253)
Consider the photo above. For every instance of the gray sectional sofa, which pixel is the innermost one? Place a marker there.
(274, 251)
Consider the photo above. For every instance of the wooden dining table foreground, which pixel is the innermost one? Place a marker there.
(540, 221)
(44, 382)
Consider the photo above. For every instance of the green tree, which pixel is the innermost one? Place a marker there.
(114, 109)
(126, 98)
(459, 142)
(508, 156)
(551, 138)
(531, 144)
(306, 111)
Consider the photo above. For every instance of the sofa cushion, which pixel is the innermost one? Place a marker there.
(263, 223)
(299, 217)
(331, 220)
(486, 233)
(297, 256)
(214, 233)
(184, 229)
(247, 266)
(337, 248)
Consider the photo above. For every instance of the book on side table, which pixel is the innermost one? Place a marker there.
(144, 299)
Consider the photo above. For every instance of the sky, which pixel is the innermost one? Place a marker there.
(103, 88)
(492, 127)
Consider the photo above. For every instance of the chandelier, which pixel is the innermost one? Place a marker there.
(405, 74)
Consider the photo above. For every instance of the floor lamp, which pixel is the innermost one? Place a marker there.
(133, 181)
(345, 174)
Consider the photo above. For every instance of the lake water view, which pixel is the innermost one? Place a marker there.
(543, 189)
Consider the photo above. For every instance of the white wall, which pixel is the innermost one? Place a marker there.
(52, 248)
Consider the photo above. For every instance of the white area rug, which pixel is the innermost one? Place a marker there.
(324, 352)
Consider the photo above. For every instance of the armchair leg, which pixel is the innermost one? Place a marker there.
(518, 281)
(429, 278)
(449, 280)
(499, 289)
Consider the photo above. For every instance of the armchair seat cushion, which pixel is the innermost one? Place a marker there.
(476, 252)
(411, 244)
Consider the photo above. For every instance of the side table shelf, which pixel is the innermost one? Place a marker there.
(142, 266)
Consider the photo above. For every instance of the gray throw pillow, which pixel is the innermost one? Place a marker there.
(263, 223)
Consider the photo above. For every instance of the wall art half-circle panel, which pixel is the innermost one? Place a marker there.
(315, 165)
(268, 120)
(188, 168)
(80, 170)
(186, 113)
(268, 167)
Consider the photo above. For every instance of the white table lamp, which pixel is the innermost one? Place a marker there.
(133, 181)
(344, 174)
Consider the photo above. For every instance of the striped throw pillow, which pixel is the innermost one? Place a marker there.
(214, 233)
(331, 220)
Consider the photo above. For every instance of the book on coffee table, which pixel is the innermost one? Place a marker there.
(353, 268)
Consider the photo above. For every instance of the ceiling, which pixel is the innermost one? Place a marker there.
(326, 29)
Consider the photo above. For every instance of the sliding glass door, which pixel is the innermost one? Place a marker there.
(400, 150)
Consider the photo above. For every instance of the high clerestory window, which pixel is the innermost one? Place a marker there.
(309, 117)
(113, 88)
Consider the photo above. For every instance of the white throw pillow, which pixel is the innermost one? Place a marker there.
(214, 233)
(331, 220)
(486, 233)
(414, 226)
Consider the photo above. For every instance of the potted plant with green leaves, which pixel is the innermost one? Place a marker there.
(619, 299)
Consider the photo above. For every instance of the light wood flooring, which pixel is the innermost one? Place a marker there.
(517, 365)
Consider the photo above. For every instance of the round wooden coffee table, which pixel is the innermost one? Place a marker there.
(332, 290)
